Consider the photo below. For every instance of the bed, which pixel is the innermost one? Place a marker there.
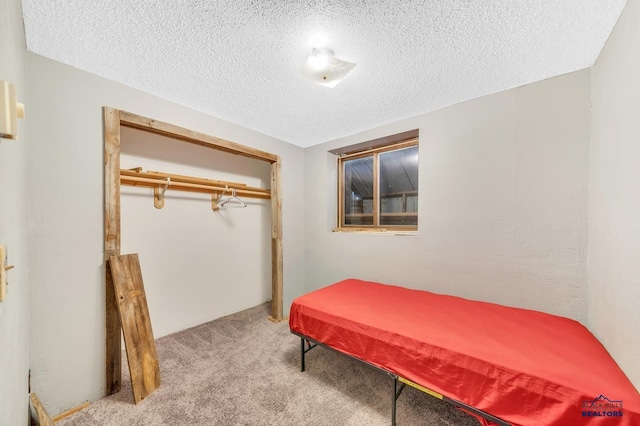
(504, 365)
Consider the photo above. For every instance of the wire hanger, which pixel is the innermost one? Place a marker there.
(232, 201)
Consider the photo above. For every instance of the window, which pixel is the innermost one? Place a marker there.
(378, 187)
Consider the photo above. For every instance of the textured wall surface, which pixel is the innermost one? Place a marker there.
(14, 227)
(66, 190)
(238, 60)
(614, 200)
(502, 209)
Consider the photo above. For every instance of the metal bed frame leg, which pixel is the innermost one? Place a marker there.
(303, 351)
(394, 399)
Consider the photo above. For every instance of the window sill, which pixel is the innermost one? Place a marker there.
(377, 231)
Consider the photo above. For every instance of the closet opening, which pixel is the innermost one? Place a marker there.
(263, 187)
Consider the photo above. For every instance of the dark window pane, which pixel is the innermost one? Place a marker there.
(399, 187)
(358, 191)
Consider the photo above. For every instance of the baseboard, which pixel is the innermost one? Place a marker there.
(70, 412)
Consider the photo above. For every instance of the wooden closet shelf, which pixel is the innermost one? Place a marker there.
(179, 178)
(189, 184)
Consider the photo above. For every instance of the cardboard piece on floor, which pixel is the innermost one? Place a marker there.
(144, 368)
(43, 416)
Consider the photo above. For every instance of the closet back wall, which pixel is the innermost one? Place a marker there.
(197, 264)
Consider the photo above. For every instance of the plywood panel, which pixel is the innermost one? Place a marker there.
(113, 336)
(136, 325)
(113, 372)
(276, 243)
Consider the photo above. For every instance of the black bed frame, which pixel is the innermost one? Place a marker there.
(307, 343)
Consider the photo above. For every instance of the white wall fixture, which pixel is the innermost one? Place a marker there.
(323, 68)
(10, 111)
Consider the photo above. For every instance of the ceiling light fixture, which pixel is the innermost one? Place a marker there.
(323, 68)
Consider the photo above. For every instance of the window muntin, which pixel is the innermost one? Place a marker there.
(379, 188)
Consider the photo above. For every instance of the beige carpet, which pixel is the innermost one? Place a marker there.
(245, 370)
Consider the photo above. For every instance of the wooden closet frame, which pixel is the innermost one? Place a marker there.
(114, 119)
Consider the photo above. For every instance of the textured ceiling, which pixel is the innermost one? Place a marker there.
(238, 59)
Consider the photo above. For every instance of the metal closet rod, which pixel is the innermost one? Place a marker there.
(188, 183)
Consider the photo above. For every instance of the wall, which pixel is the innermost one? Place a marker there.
(66, 190)
(14, 226)
(502, 209)
(198, 264)
(614, 201)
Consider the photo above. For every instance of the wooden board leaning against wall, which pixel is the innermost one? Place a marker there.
(114, 119)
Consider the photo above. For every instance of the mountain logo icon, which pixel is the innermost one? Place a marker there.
(602, 402)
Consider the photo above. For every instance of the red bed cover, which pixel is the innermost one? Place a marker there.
(526, 367)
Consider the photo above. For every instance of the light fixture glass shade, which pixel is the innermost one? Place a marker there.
(323, 68)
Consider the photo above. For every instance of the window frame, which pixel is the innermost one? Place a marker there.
(375, 153)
